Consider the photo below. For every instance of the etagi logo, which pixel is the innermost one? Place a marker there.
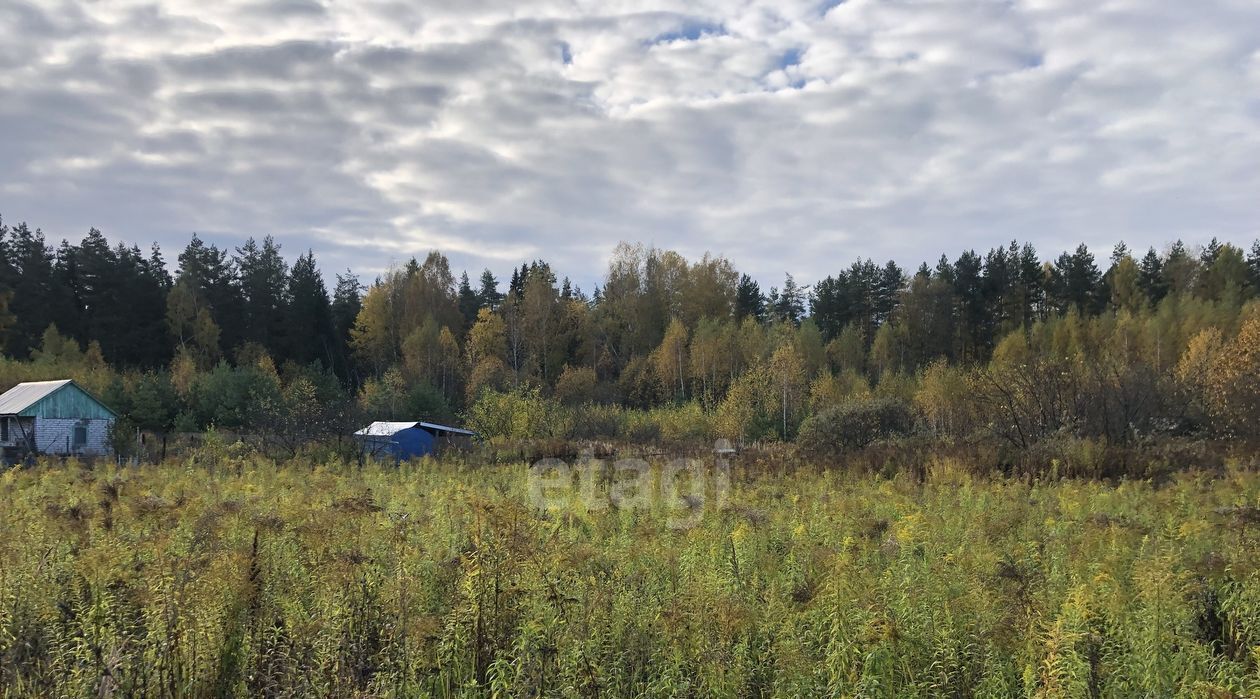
(681, 488)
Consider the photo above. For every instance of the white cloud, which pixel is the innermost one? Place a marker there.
(792, 136)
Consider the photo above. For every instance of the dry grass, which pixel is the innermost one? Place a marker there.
(251, 578)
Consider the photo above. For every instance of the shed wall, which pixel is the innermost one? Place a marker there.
(56, 436)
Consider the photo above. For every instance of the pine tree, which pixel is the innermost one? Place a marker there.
(1180, 270)
(926, 320)
(788, 305)
(998, 278)
(1077, 283)
(209, 270)
(155, 280)
(1032, 279)
(1119, 252)
(39, 297)
(96, 286)
(70, 318)
(970, 299)
(1225, 276)
(892, 281)
(1021, 304)
(131, 298)
(945, 270)
(1210, 252)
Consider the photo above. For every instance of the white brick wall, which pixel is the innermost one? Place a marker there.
(53, 436)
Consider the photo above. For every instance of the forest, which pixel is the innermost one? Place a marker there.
(1002, 348)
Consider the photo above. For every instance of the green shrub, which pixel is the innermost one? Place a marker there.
(852, 426)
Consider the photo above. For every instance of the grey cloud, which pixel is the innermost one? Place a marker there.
(28, 20)
(443, 60)
(290, 60)
(282, 9)
(793, 135)
(254, 102)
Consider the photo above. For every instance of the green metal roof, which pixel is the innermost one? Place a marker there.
(62, 399)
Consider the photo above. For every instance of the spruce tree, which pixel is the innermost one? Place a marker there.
(1151, 277)
(308, 315)
(488, 292)
(749, 301)
(346, 304)
(38, 296)
(469, 302)
(262, 283)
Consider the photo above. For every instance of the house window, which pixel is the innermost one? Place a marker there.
(4, 429)
(80, 436)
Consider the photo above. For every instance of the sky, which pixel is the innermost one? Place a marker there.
(790, 136)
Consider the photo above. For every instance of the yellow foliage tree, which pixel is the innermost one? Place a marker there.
(789, 388)
(1233, 385)
(943, 398)
(372, 336)
(712, 358)
(487, 339)
(669, 360)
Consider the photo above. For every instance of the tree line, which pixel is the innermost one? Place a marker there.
(232, 330)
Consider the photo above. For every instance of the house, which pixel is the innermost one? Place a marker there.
(408, 440)
(54, 417)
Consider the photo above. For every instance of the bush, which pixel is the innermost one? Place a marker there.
(852, 426)
(640, 429)
(683, 423)
(576, 386)
(520, 414)
(594, 421)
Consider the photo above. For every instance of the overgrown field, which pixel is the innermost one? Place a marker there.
(241, 577)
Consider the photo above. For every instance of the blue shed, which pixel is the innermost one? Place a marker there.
(408, 440)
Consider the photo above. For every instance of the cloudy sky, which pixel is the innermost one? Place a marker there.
(792, 136)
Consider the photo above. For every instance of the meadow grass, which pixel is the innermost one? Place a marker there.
(236, 576)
